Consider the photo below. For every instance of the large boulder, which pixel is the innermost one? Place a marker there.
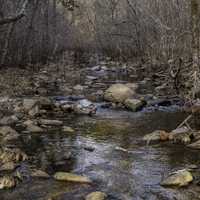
(179, 178)
(118, 93)
(64, 176)
(134, 104)
(96, 196)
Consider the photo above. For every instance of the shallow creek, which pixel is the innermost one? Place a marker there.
(95, 152)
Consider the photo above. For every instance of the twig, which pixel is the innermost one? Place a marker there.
(185, 122)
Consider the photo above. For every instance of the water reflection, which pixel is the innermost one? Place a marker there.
(135, 174)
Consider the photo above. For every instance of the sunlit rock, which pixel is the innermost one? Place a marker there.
(7, 182)
(64, 176)
(118, 93)
(12, 155)
(96, 196)
(68, 129)
(179, 179)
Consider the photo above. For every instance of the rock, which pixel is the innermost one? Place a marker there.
(118, 93)
(155, 136)
(181, 135)
(6, 130)
(134, 104)
(9, 166)
(28, 104)
(179, 179)
(34, 128)
(46, 103)
(63, 176)
(96, 196)
(195, 145)
(88, 148)
(12, 155)
(48, 122)
(28, 122)
(39, 174)
(68, 129)
(35, 111)
(9, 120)
(84, 107)
(7, 182)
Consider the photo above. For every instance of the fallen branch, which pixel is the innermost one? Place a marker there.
(185, 122)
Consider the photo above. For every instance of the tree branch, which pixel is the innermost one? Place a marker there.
(17, 17)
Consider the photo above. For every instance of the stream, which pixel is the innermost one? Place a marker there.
(108, 148)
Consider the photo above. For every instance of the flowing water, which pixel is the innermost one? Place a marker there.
(97, 150)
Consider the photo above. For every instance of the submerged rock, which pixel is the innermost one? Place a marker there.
(134, 104)
(179, 178)
(118, 93)
(64, 176)
(96, 196)
(7, 182)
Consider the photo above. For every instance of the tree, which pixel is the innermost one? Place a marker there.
(16, 17)
(195, 45)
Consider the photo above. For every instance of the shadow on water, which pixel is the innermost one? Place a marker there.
(131, 175)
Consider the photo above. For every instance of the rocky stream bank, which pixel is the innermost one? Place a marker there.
(86, 136)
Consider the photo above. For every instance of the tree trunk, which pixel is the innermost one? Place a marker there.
(195, 45)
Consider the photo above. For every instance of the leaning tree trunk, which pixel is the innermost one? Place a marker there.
(195, 46)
